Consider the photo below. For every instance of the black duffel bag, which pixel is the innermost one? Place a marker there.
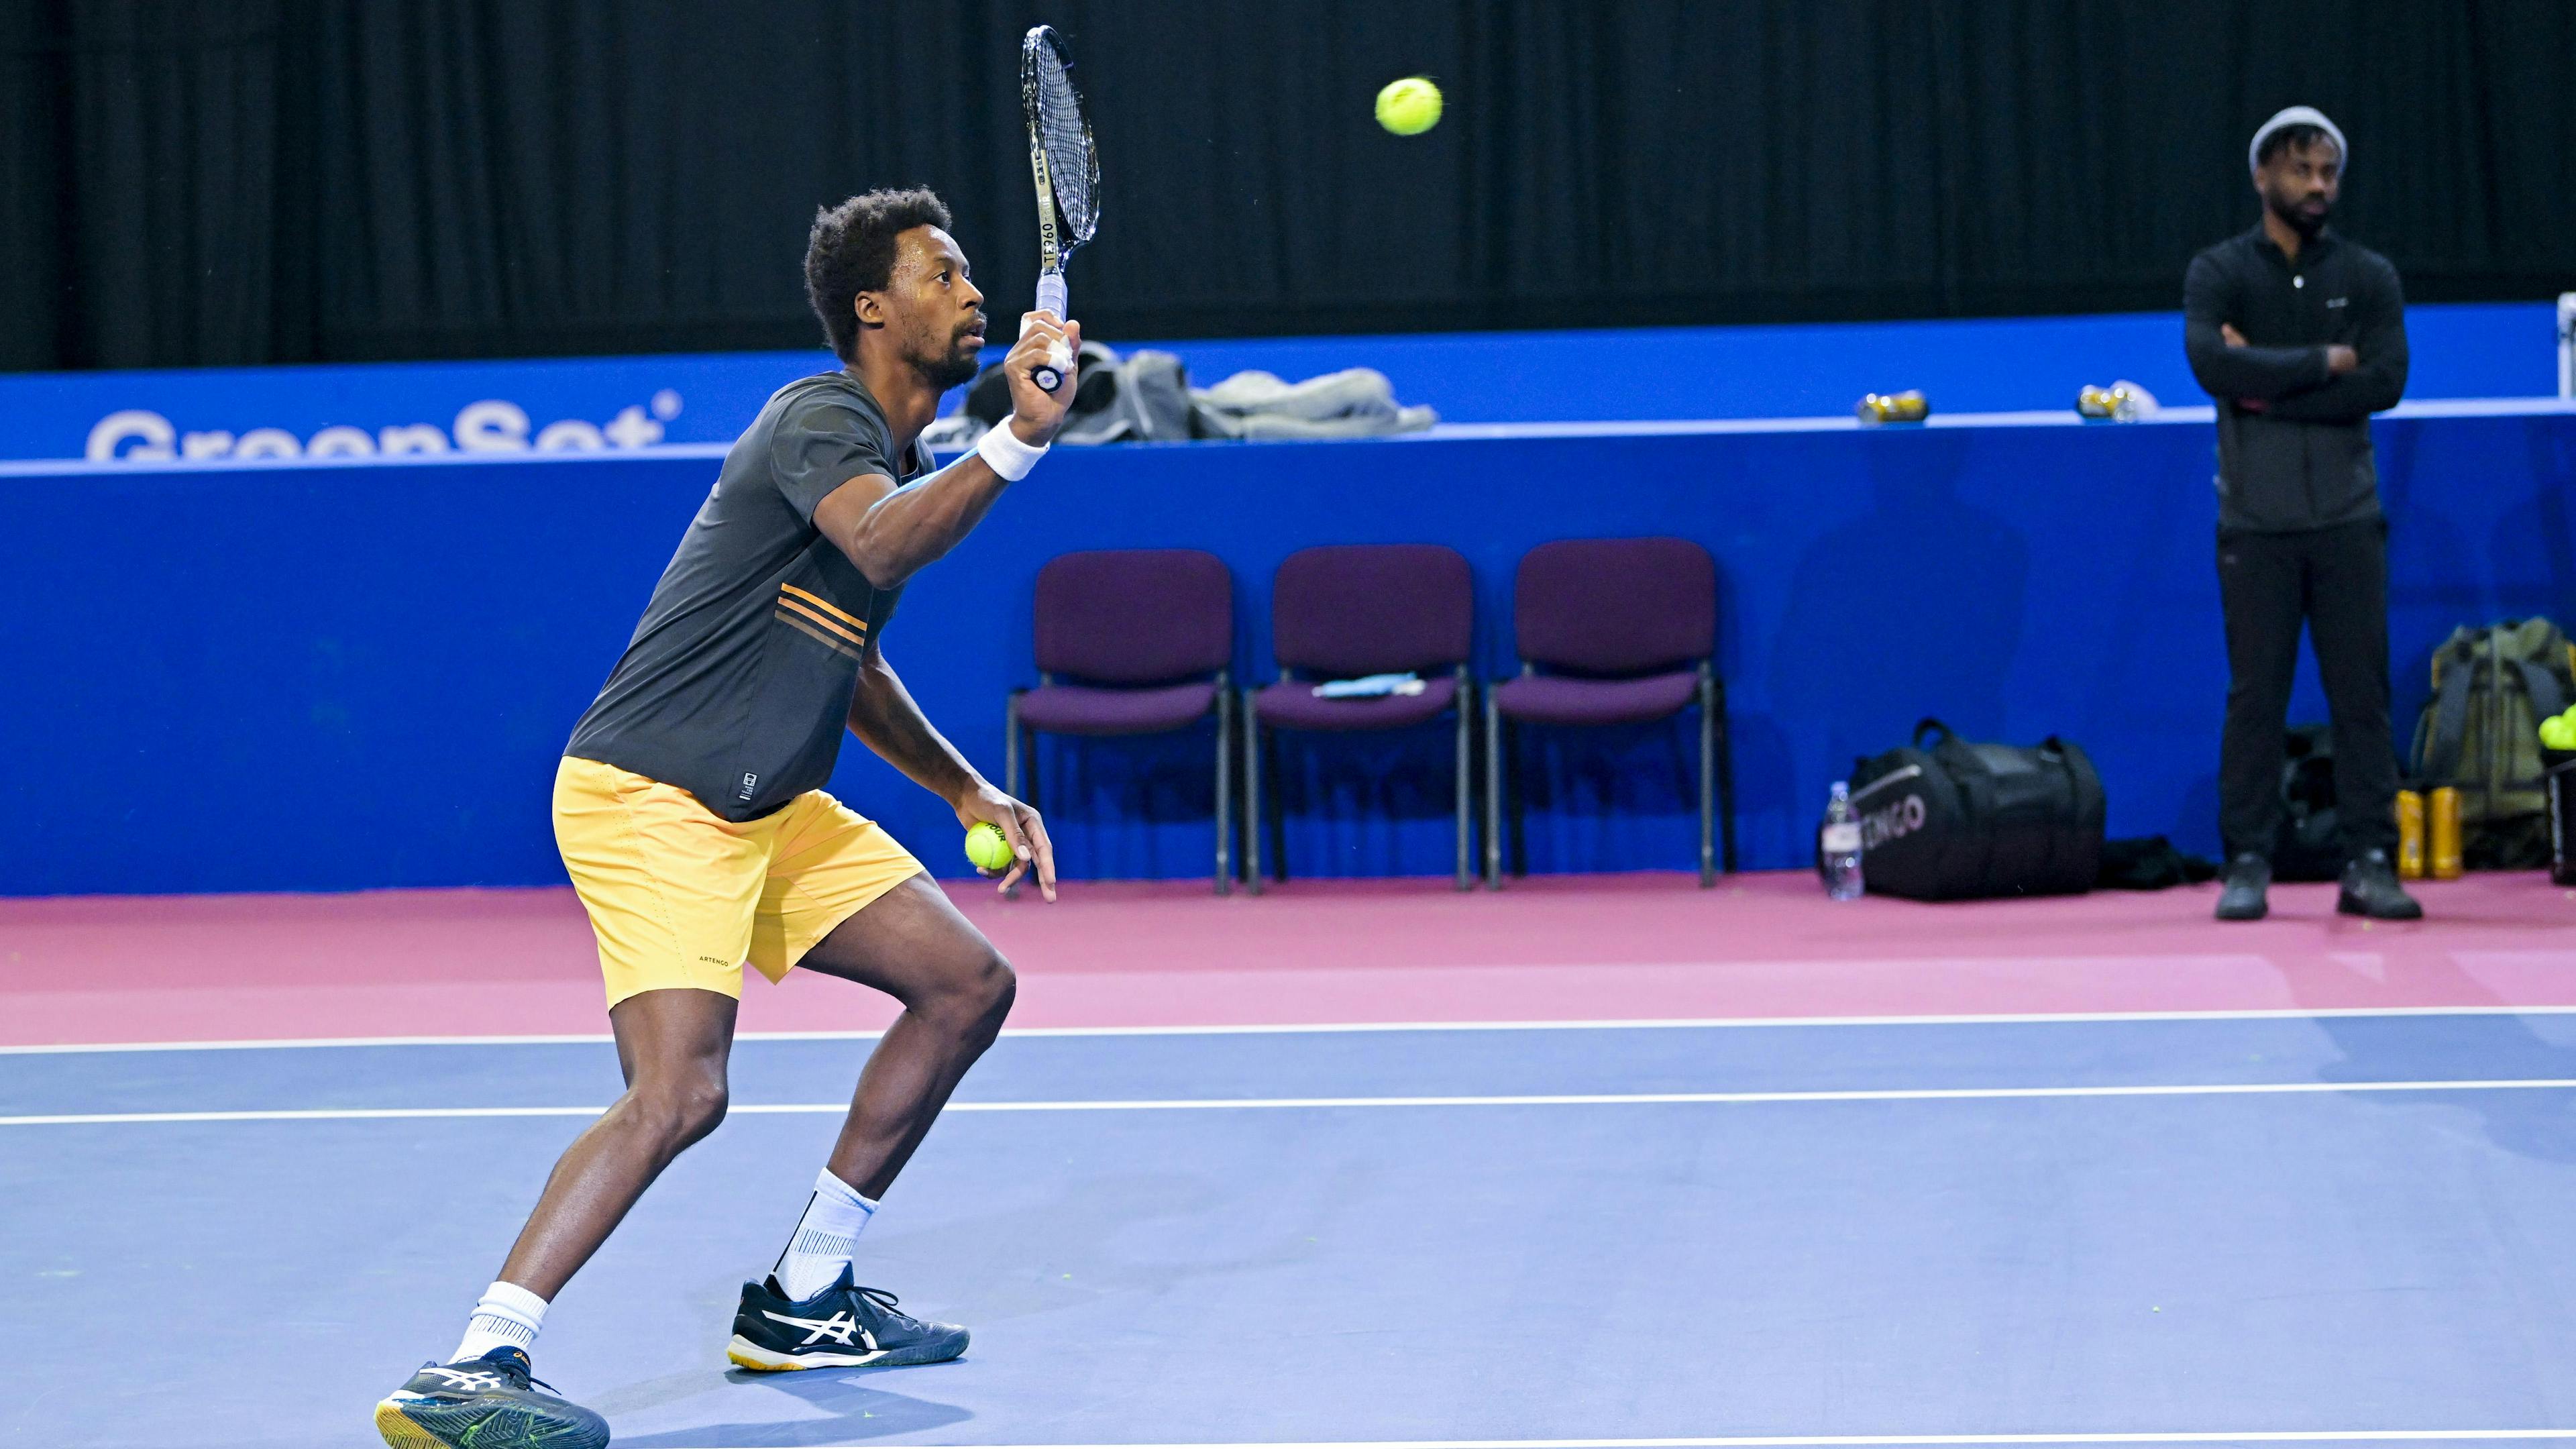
(1960, 821)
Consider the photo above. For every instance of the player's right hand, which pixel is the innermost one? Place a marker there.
(1036, 414)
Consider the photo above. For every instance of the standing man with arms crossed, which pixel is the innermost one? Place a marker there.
(691, 816)
(2301, 335)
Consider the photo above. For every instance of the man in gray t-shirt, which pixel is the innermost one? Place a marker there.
(737, 682)
(692, 820)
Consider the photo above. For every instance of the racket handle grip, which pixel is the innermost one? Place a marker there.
(1049, 375)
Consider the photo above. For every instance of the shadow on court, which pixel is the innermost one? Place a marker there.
(2538, 1124)
(847, 1405)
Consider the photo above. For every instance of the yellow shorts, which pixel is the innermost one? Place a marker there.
(681, 896)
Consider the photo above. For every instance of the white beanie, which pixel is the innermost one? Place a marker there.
(2296, 116)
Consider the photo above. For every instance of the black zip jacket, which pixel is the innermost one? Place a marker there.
(2293, 442)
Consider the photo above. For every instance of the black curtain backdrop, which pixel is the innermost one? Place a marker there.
(244, 181)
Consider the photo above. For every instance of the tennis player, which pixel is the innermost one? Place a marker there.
(690, 811)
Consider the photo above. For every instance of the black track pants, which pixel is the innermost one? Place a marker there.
(2335, 580)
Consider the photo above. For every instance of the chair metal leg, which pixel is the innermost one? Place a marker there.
(1251, 797)
(1707, 779)
(1011, 746)
(1031, 775)
(1515, 805)
(1725, 748)
(1275, 763)
(1493, 793)
(1224, 772)
(1466, 777)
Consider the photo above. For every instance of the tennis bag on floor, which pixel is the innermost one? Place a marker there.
(2310, 845)
(2480, 733)
(1959, 821)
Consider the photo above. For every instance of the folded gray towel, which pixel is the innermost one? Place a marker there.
(1357, 402)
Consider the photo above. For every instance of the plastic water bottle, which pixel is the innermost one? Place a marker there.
(1840, 840)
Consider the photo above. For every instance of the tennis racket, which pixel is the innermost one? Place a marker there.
(1068, 177)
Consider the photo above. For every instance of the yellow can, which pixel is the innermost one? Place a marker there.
(2410, 835)
(2442, 833)
(1909, 406)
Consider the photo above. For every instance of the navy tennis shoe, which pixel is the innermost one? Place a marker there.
(844, 1326)
(485, 1403)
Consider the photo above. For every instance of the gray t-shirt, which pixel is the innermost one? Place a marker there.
(737, 684)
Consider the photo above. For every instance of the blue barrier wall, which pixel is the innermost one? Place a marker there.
(2002, 364)
(1985, 365)
(332, 676)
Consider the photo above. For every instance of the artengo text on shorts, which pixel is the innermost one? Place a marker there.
(490, 426)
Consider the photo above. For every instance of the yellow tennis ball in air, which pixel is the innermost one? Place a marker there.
(1410, 106)
(988, 847)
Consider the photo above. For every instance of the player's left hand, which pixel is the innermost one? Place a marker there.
(1037, 414)
(1033, 853)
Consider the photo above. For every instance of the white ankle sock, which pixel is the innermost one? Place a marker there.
(824, 1237)
(508, 1317)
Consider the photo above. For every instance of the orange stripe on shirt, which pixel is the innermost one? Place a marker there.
(826, 606)
(854, 636)
(832, 642)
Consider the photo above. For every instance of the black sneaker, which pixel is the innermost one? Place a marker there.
(2249, 878)
(484, 1403)
(841, 1327)
(2370, 889)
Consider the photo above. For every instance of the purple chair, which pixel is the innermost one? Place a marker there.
(1626, 630)
(1144, 638)
(1348, 611)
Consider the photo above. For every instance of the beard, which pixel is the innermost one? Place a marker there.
(957, 365)
(2295, 213)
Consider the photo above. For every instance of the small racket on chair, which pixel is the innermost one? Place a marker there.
(1068, 177)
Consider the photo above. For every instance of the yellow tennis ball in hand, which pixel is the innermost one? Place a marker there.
(1410, 106)
(988, 847)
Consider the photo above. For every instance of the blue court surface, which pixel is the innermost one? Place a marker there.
(2250, 1229)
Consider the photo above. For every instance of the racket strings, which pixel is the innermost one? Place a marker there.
(1072, 168)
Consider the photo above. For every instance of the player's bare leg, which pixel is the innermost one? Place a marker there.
(955, 988)
(672, 1046)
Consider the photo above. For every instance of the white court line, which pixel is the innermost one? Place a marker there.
(1701, 1023)
(1276, 1104)
(1858, 1441)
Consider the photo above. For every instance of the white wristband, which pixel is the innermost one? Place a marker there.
(1006, 455)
